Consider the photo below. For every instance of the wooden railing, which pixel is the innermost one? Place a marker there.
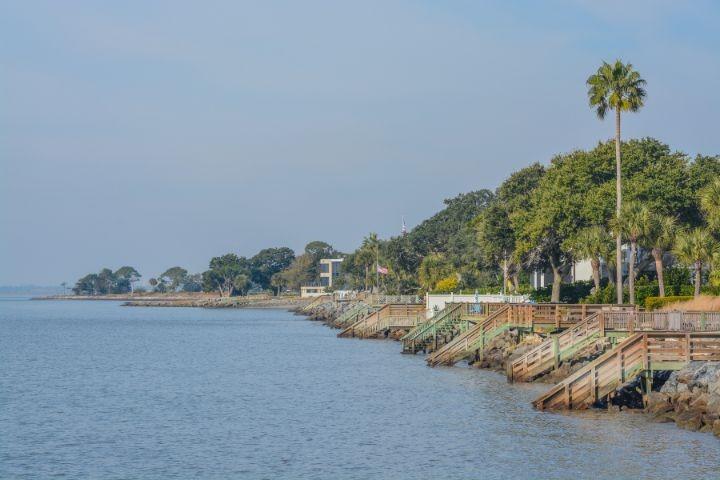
(557, 348)
(534, 317)
(351, 315)
(461, 345)
(662, 321)
(384, 318)
(554, 349)
(381, 299)
(643, 351)
(451, 312)
(317, 301)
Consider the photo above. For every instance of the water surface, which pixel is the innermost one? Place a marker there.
(96, 390)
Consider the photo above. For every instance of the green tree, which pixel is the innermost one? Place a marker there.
(660, 237)
(174, 278)
(223, 272)
(591, 243)
(696, 248)
(366, 256)
(130, 275)
(620, 88)
(710, 204)
(633, 223)
(268, 262)
(433, 268)
(241, 282)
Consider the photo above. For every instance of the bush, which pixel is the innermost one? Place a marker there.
(569, 292)
(447, 284)
(653, 303)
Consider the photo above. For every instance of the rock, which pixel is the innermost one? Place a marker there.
(664, 417)
(683, 397)
(689, 420)
(713, 403)
(658, 402)
(699, 402)
(716, 428)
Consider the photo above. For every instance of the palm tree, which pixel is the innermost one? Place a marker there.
(660, 237)
(696, 248)
(633, 223)
(368, 254)
(591, 243)
(616, 87)
(710, 204)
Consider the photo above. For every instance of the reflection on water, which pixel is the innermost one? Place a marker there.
(92, 389)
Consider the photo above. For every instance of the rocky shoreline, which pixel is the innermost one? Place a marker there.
(198, 300)
(689, 397)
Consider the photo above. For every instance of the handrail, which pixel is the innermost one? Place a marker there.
(469, 337)
(693, 321)
(641, 351)
(551, 349)
(428, 326)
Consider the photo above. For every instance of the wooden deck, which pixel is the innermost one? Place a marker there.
(389, 317)
(541, 318)
(454, 319)
(640, 353)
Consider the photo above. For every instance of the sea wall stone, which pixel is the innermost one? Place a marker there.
(690, 397)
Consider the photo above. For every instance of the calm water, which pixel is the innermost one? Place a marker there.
(95, 390)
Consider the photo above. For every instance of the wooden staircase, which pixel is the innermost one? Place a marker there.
(389, 317)
(538, 318)
(561, 347)
(640, 353)
(454, 319)
(353, 314)
(475, 338)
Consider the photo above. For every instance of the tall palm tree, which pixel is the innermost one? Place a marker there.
(368, 254)
(616, 87)
(710, 204)
(591, 243)
(696, 248)
(633, 224)
(660, 237)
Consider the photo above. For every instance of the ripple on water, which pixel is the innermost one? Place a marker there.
(94, 390)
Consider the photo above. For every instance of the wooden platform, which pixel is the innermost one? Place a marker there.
(641, 353)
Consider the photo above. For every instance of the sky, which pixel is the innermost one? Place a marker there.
(156, 134)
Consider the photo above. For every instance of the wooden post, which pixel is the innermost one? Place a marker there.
(601, 324)
(556, 351)
(688, 352)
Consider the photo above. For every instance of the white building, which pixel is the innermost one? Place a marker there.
(330, 269)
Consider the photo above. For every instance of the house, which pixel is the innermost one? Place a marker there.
(330, 269)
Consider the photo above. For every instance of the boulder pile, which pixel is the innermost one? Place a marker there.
(690, 397)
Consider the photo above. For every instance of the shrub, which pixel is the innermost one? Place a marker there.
(447, 284)
(569, 292)
(653, 303)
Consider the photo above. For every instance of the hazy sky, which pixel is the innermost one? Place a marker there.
(163, 133)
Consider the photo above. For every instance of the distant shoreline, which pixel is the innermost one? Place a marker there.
(189, 300)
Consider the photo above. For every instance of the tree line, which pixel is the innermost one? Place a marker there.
(584, 205)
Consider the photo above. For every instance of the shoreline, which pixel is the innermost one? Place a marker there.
(689, 397)
(189, 301)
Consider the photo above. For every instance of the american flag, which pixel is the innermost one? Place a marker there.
(382, 270)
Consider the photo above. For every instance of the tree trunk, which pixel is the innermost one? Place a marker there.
(367, 272)
(557, 281)
(658, 256)
(595, 264)
(516, 282)
(698, 277)
(618, 206)
(631, 271)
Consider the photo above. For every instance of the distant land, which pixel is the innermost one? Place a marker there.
(29, 290)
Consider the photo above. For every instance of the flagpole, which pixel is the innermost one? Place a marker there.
(377, 267)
